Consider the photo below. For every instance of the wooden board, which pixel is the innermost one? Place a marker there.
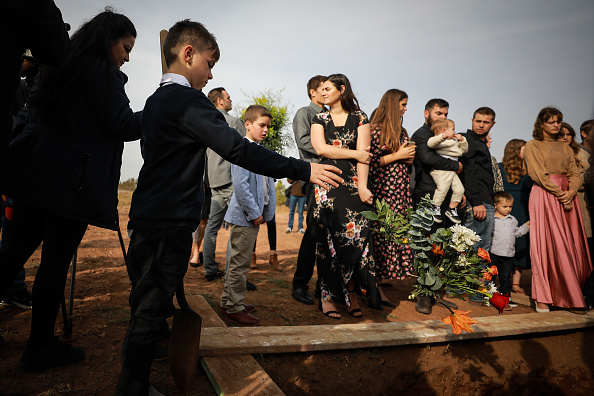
(231, 375)
(287, 339)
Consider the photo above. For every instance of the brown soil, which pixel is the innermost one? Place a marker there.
(558, 363)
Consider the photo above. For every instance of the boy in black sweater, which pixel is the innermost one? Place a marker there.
(179, 123)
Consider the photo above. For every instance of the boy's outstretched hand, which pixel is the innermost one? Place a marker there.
(323, 175)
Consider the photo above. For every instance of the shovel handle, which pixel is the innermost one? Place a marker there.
(181, 298)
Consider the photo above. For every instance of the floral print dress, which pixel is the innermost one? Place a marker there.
(391, 183)
(345, 243)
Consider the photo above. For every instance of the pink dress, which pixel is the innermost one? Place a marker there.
(558, 247)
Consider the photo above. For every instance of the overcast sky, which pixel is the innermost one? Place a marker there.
(514, 56)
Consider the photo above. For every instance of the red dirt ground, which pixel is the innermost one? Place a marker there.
(550, 364)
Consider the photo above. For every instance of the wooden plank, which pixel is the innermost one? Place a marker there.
(231, 375)
(287, 339)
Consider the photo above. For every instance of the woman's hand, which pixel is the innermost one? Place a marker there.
(406, 153)
(366, 195)
(363, 156)
(566, 197)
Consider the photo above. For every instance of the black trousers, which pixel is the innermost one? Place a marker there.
(505, 266)
(306, 259)
(157, 262)
(60, 237)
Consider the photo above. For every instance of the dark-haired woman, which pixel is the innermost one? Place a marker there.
(518, 184)
(558, 250)
(389, 180)
(64, 171)
(344, 251)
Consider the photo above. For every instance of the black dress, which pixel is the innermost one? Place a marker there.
(345, 241)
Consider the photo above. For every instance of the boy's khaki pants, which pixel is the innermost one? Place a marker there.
(239, 254)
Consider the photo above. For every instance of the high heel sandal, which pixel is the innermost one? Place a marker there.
(328, 313)
(354, 312)
(517, 289)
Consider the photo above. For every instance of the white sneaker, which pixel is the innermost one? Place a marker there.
(289, 230)
(301, 231)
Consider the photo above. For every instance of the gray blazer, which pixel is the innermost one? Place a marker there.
(219, 170)
(247, 202)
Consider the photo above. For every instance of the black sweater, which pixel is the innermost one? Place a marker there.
(477, 174)
(178, 125)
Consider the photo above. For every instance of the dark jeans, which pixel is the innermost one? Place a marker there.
(19, 282)
(271, 228)
(505, 266)
(306, 259)
(157, 263)
(60, 237)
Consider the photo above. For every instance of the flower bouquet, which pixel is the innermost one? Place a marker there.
(443, 260)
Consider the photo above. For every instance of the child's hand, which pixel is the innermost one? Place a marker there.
(528, 223)
(324, 175)
(447, 135)
(366, 195)
(258, 221)
(363, 156)
(459, 137)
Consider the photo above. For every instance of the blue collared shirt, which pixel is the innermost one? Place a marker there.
(505, 232)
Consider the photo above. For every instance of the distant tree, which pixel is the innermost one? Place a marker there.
(280, 137)
(129, 184)
(281, 199)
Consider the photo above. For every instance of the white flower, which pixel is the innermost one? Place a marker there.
(463, 238)
(491, 288)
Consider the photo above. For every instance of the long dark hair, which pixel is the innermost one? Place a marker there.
(389, 119)
(543, 116)
(92, 41)
(347, 99)
(574, 145)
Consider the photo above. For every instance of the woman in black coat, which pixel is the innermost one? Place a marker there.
(64, 170)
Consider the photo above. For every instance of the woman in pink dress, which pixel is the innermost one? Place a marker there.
(558, 248)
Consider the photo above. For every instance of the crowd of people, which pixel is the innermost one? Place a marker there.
(203, 167)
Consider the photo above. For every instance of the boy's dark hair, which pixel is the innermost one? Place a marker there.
(486, 111)
(215, 94)
(254, 112)
(436, 102)
(189, 32)
(314, 83)
(502, 196)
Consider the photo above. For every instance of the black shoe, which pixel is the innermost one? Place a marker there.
(21, 299)
(446, 303)
(250, 286)
(437, 216)
(302, 296)
(56, 353)
(200, 261)
(423, 305)
(512, 304)
(589, 302)
(452, 214)
(217, 275)
(388, 303)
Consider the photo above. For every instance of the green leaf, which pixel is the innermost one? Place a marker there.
(369, 215)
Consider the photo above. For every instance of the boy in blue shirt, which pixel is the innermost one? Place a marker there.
(178, 124)
(252, 204)
(503, 247)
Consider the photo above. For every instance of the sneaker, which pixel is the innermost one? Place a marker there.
(452, 214)
(21, 299)
(437, 216)
(56, 353)
(288, 230)
(301, 231)
(512, 304)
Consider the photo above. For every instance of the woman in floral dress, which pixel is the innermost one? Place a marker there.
(344, 250)
(389, 180)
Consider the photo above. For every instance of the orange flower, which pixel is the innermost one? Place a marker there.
(337, 143)
(350, 226)
(482, 253)
(437, 250)
(493, 270)
(487, 276)
(460, 321)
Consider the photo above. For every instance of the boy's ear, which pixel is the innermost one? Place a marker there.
(188, 53)
(247, 124)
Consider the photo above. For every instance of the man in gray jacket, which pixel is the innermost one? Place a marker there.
(301, 129)
(219, 177)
